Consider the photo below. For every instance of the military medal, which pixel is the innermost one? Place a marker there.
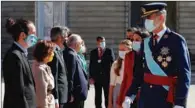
(159, 58)
(164, 64)
(168, 58)
(164, 50)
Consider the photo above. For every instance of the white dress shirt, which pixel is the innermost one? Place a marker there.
(161, 33)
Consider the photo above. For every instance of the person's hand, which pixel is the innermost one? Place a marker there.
(127, 102)
(91, 81)
(177, 106)
(71, 99)
(56, 105)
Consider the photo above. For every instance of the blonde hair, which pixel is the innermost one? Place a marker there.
(127, 44)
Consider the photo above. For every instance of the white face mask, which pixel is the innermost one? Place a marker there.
(136, 45)
(122, 54)
(83, 49)
(149, 25)
(103, 45)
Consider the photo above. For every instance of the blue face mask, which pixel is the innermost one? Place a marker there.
(103, 45)
(31, 40)
(149, 25)
(136, 45)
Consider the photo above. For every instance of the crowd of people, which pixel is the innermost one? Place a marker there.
(152, 68)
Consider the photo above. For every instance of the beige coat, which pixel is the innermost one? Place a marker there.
(44, 82)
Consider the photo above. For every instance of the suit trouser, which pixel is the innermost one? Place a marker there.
(75, 104)
(134, 104)
(98, 93)
(62, 105)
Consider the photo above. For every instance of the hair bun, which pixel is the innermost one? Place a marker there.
(9, 24)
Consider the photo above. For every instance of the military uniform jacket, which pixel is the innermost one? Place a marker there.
(172, 56)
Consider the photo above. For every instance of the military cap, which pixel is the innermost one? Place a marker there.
(150, 8)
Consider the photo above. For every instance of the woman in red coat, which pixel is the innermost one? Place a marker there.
(131, 59)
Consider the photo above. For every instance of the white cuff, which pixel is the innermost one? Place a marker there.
(177, 106)
(128, 99)
(56, 101)
(133, 97)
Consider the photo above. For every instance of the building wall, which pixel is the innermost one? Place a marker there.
(186, 25)
(92, 19)
(15, 10)
(186, 22)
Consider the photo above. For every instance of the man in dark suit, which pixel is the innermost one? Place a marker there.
(19, 82)
(58, 68)
(77, 77)
(101, 60)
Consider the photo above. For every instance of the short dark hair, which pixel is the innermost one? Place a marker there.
(142, 33)
(16, 27)
(99, 38)
(42, 49)
(131, 29)
(56, 31)
(145, 33)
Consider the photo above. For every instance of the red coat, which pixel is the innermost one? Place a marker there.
(127, 77)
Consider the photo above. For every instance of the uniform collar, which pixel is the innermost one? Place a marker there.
(22, 48)
(161, 33)
(57, 47)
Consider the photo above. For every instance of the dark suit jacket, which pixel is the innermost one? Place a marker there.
(59, 72)
(99, 70)
(19, 82)
(77, 77)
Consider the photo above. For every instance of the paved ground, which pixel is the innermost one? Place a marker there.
(90, 100)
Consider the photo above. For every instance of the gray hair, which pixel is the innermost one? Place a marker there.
(74, 39)
(164, 13)
(58, 31)
(66, 30)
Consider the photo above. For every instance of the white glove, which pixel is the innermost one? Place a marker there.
(177, 106)
(127, 102)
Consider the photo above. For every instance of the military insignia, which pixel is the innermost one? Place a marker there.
(168, 58)
(164, 64)
(165, 36)
(164, 50)
(159, 58)
(143, 10)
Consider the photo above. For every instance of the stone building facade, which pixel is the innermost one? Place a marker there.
(91, 19)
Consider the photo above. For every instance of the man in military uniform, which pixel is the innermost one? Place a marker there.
(166, 74)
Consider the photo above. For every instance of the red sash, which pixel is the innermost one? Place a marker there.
(162, 80)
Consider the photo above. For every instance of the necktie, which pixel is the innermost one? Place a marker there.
(100, 53)
(155, 38)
